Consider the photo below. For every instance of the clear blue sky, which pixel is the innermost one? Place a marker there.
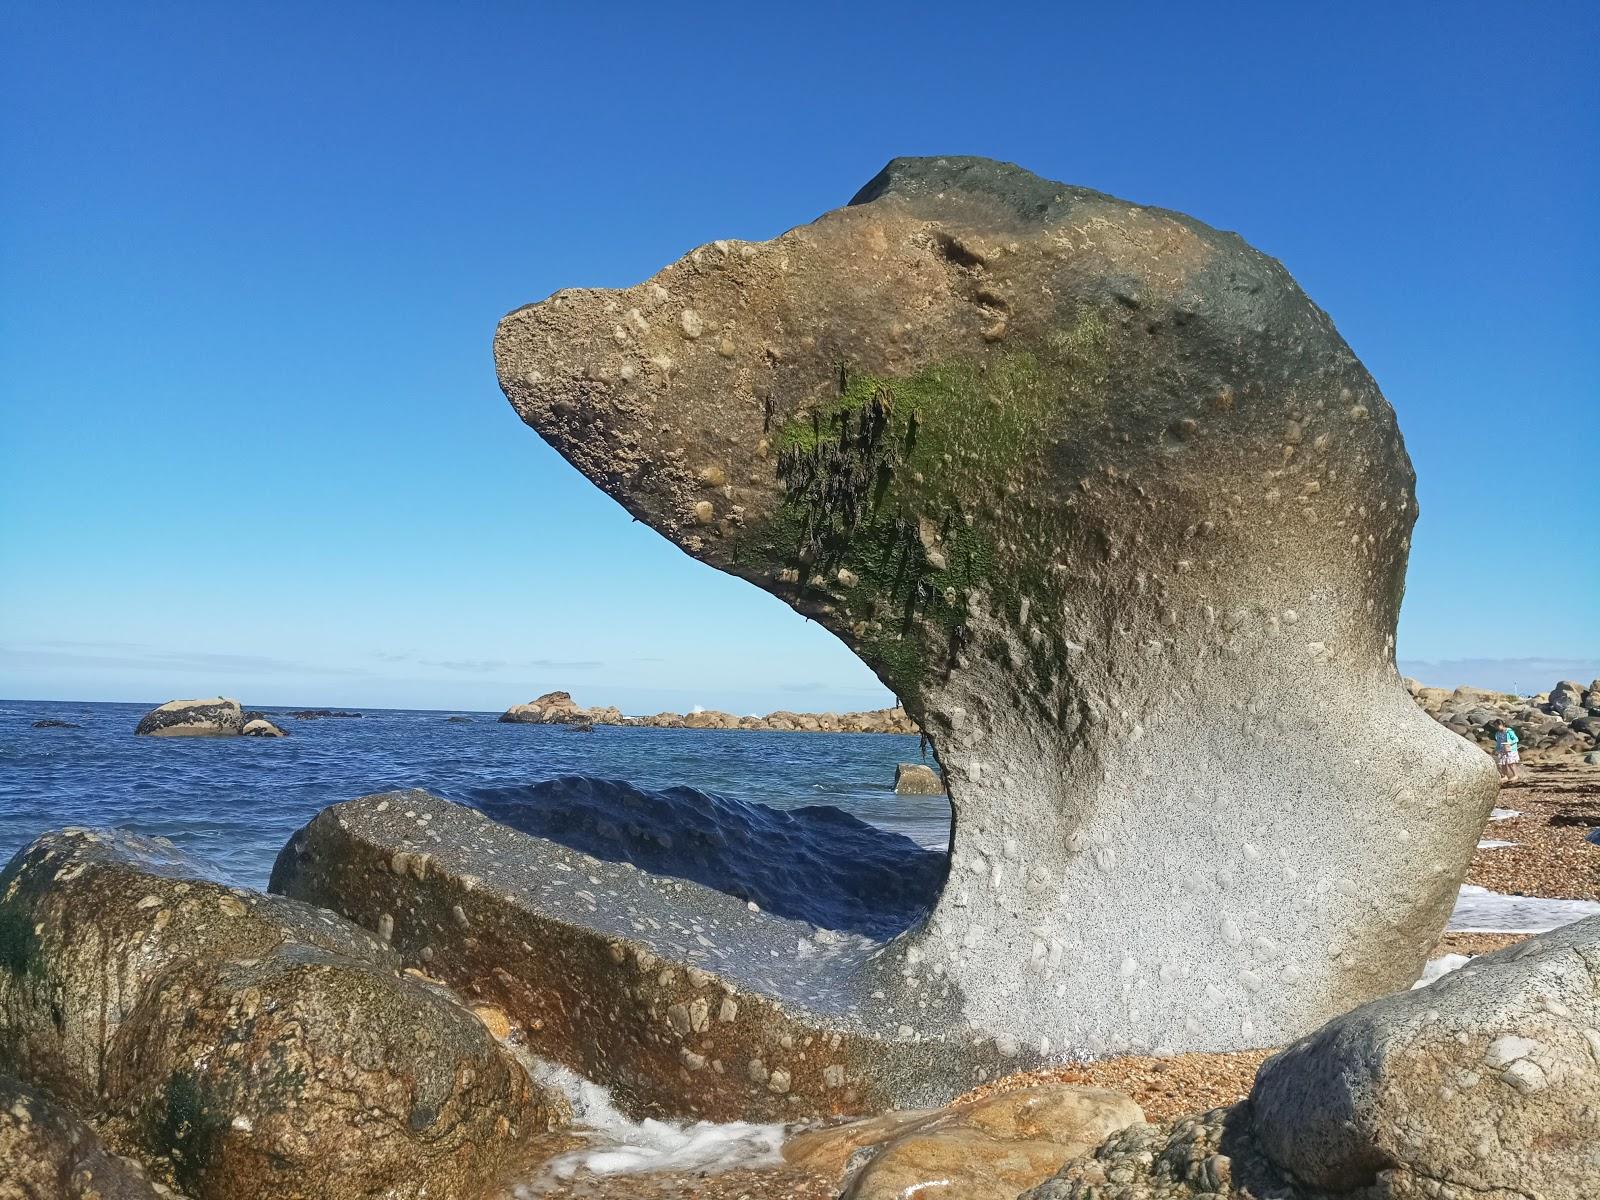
(252, 255)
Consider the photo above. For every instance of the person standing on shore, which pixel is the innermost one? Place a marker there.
(1505, 751)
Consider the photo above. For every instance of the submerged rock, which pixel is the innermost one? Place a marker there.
(915, 779)
(46, 1153)
(52, 723)
(1482, 1084)
(684, 1001)
(1107, 501)
(220, 717)
(243, 1046)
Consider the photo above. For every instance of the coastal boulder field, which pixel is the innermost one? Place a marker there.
(1564, 720)
(1481, 1086)
(244, 1047)
(1105, 499)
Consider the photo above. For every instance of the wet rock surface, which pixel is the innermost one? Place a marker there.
(220, 717)
(1482, 1084)
(242, 1045)
(1107, 501)
(682, 1000)
(47, 1153)
(816, 863)
(990, 1149)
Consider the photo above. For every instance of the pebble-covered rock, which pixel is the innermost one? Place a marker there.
(1482, 1084)
(244, 1046)
(47, 1153)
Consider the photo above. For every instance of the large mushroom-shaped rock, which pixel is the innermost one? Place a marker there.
(47, 1153)
(1480, 1086)
(243, 1046)
(219, 717)
(1107, 501)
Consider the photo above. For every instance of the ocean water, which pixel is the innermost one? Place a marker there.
(233, 802)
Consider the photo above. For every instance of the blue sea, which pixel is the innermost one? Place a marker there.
(233, 802)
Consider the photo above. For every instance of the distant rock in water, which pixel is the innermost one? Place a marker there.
(915, 779)
(559, 708)
(219, 717)
(816, 864)
(52, 723)
(318, 714)
(258, 725)
(458, 720)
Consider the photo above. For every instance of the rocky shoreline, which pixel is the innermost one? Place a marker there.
(1563, 721)
(559, 708)
(115, 1084)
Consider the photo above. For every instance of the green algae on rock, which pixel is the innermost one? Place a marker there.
(1110, 504)
(243, 1046)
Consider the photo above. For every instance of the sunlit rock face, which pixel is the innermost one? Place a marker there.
(1107, 501)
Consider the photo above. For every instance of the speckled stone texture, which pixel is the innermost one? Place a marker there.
(243, 1046)
(1110, 505)
(1484, 1085)
(683, 1000)
(1488, 1080)
(46, 1153)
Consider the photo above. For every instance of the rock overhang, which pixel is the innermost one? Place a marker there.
(1104, 497)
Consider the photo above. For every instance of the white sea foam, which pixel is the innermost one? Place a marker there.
(1478, 910)
(625, 1147)
(1438, 967)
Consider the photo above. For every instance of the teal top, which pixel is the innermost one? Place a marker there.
(1505, 739)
